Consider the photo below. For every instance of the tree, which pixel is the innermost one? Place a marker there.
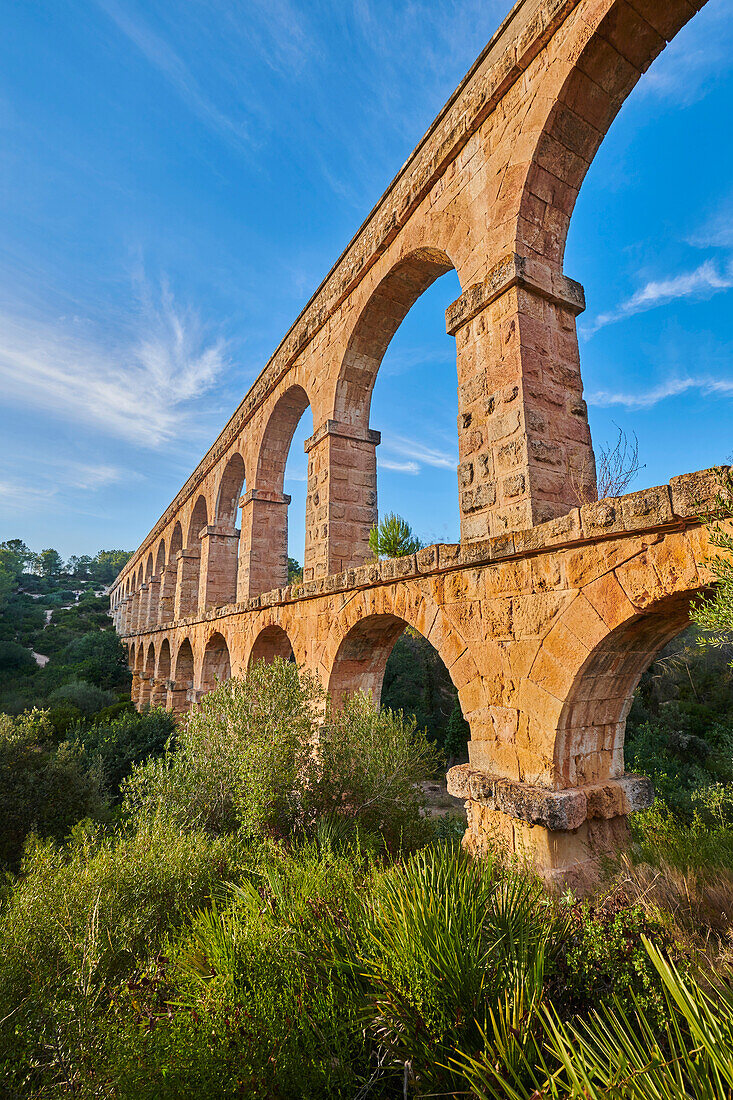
(457, 734)
(295, 571)
(714, 614)
(616, 467)
(105, 566)
(393, 538)
(50, 563)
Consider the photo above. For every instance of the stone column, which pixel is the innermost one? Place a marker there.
(167, 598)
(263, 550)
(145, 687)
(523, 438)
(218, 579)
(135, 688)
(341, 506)
(187, 583)
(177, 700)
(151, 607)
(565, 834)
(124, 615)
(158, 693)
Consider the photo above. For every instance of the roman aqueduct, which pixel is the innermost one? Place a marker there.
(545, 613)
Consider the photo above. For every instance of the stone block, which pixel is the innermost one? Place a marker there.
(694, 495)
(648, 508)
(426, 559)
(602, 517)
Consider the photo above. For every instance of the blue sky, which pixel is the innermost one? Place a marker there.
(178, 176)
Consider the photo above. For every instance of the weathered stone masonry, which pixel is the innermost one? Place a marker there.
(545, 614)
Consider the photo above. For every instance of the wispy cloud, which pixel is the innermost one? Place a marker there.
(673, 387)
(416, 455)
(164, 58)
(139, 387)
(717, 231)
(704, 281)
(399, 467)
(21, 496)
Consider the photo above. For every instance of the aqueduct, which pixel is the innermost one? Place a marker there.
(546, 613)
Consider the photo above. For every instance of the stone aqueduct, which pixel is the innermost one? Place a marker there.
(545, 613)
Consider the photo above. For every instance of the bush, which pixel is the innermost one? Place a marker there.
(88, 698)
(99, 657)
(242, 758)
(42, 788)
(16, 658)
(121, 742)
(76, 921)
(62, 717)
(370, 767)
(254, 757)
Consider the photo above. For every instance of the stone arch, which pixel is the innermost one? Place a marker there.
(626, 39)
(589, 745)
(160, 558)
(184, 662)
(362, 657)
(264, 557)
(231, 487)
(199, 519)
(270, 643)
(216, 665)
(276, 439)
(149, 567)
(383, 314)
(364, 636)
(163, 665)
(176, 542)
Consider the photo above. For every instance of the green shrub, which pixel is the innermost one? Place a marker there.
(242, 759)
(121, 742)
(16, 658)
(705, 843)
(63, 716)
(602, 955)
(370, 765)
(75, 924)
(43, 788)
(87, 697)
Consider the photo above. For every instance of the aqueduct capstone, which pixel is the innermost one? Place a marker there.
(546, 613)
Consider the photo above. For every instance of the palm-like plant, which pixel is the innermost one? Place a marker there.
(393, 538)
(617, 1055)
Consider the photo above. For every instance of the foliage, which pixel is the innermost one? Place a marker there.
(617, 1054)
(602, 955)
(242, 759)
(254, 757)
(120, 742)
(417, 682)
(86, 697)
(75, 922)
(43, 787)
(680, 728)
(295, 572)
(393, 538)
(457, 734)
(715, 614)
(370, 765)
(16, 658)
